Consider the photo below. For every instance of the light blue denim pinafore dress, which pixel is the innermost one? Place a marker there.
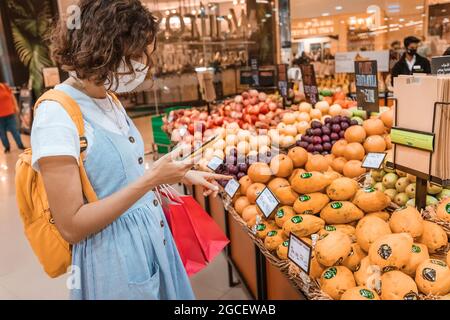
(135, 257)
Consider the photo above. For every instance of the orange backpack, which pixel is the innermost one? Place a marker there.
(53, 252)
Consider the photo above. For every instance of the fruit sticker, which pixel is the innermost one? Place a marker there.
(286, 243)
(429, 274)
(447, 208)
(410, 296)
(308, 212)
(438, 262)
(336, 205)
(306, 175)
(272, 233)
(330, 273)
(369, 189)
(384, 251)
(366, 294)
(280, 213)
(358, 267)
(304, 198)
(296, 219)
(261, 227)
(415, 249)
(330, 228)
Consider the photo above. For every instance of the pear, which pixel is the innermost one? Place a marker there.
(377, 175)
(401, 184)
(400, 173)
(379, 186)
(401, 199)
(433, 188)
(411, 190)
(389, 180)
(391, 193)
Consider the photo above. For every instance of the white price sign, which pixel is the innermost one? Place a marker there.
(345, 61)
(214, 163)
(300, 253)
(267, 202)
(232, 187)
(374, 160)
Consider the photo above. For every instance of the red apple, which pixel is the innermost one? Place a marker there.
(272, 106)
(264, 109)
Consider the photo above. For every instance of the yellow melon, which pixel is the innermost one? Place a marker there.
(283, 214)
(371, 200)
(310, 203)
(333, 248)
(334, 281)
(338, 212)
(370, 229)
(342, 189)
(419, 254)
(360, 293)
(303, 225)
(354, 258)
(433, 277)
(408, 220)
(433, 236)
(396, 285)
(309, 182)
(391, 251)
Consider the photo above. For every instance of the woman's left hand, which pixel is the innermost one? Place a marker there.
(205, 179)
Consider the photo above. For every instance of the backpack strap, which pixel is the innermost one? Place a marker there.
(73, 109)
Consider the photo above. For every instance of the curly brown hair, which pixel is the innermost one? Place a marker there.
(110, 31)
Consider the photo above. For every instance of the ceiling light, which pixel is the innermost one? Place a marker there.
(339, 8)
(401, 19)
(325, 14)
(419, 7)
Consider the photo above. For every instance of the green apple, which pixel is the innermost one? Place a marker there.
(389, 180)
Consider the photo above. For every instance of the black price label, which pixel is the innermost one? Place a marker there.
(214, 163)
(374, 160)
(282, 80)
(232, 187)
(267, 202)
(367, 85)
(255, 71)
(300, 253)
(440, 65)
(310, 83)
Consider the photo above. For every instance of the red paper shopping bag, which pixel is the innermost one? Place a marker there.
(211, 238)
(188, 246)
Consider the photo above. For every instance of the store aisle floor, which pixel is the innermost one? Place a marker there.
(21, 276)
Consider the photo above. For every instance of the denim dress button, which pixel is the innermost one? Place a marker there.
(162, 224)
(141, 160)
(132, 140)
(155, 203)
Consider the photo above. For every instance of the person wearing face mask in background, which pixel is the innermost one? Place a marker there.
(411, 62)
(121, 244)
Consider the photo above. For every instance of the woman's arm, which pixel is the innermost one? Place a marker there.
(76, 220)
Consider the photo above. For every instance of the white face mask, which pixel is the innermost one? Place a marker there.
(126, 83)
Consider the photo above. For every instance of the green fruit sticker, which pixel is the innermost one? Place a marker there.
(280, 213)
(416, 249)
(336, 205)
(304, 198)
(366, 294)
(296, 219)
(330, 273)
(272, 233)
(286, 243)
(306, 175)
(369, 189)
(261, 227)
(447, 208)
(330, 228)
(438, 262)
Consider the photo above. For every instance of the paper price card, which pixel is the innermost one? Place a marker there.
(300, 253)
(267, 202)
(232, 187)
(214, 163)
(374, 160)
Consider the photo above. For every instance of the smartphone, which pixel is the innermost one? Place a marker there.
(199, 150)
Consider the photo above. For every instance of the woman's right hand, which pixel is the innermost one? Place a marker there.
(168, 169)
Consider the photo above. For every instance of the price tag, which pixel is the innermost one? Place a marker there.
(374, 160)
(267, 202)
(367, 85)
(232, 187)
(300, 253)
(214, 163)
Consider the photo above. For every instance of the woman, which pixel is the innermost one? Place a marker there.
(121, 243)
(8, 110)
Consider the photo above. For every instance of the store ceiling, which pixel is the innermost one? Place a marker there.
(301, 9)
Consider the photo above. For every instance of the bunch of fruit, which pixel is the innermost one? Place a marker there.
(401, 187)
(360, 251)
(184, 122)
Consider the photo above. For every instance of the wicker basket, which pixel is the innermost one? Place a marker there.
(306, 284)
(430, 214)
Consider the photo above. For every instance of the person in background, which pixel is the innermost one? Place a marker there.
(411, 62)
(447, 52)
(394, 53)
(8, 110)
(424, 48)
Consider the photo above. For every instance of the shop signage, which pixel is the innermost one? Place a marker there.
(345, 61)
(412, 138)
(232, 187)
(374, 160)
(282, 80)
(440, 65)
(267, 202)
(367, 86)
(299, 252)
(310, 83)
(214, 163)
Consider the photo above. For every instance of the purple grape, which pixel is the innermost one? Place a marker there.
(243, 167)
(317, 140)
(232, 169)
(354, 123)
(345, 119)
(240, 175)
(326, 138)
(328, 125)
(316, 124)
(303, 144)
(342, 134)
(233, 152)
(317, 132)
(336, 120)
(336, 128)
(325, 153)
(326, 130)
(327, 146)
(344, 125)
(310, 148)
(334, 136)
(308, 139)
(309, 132)
(304, 138)
(318, 148)
(327, 120)
(231, 160)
